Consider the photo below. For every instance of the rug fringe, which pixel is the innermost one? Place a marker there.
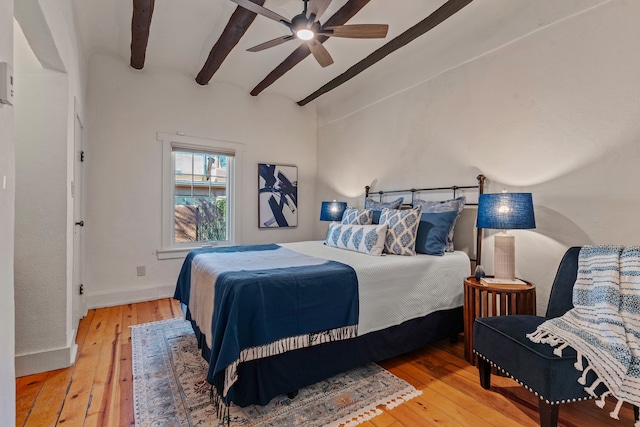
(372, 411)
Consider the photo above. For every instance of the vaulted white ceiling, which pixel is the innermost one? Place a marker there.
(184, 31)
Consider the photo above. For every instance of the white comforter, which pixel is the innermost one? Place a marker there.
(392, 288)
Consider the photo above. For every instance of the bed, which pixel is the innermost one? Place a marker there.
(281, 317)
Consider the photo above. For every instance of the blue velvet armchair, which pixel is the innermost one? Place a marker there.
(501, 342)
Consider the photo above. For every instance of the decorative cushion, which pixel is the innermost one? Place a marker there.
(377, 207)
(368, 239)
(456, 204)
(403, 227)
(357, 216)
(369, 203)
(433, 230)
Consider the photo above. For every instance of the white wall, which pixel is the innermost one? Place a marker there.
(123, 168)
(45, 111)
(41, 195)
(554, 113)
(7, 217)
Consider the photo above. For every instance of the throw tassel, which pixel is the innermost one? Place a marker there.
(558, 351)
(591, 390)
(601, 402)
(583, 378)
(537, 336)
(614, 414)
(578, 364)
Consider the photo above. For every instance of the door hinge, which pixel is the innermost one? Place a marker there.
(82, 156)
(81, 288)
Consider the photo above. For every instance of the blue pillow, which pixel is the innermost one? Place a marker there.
(377, 207)
(375, 217)
(433, 230)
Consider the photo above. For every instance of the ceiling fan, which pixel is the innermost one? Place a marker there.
(306, 26)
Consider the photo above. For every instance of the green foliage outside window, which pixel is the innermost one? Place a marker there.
(211, 219)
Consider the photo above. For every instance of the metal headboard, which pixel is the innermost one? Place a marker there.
(454, 189)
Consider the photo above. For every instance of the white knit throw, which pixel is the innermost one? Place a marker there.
(604, 325)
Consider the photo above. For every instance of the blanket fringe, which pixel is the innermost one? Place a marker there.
(284, 345)
(558, 351)
(578, 365)
(583, 378)
(615, 412)
(538, 335)
(600, 403)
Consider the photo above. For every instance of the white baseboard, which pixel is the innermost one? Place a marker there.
(110, 299)
(49, 360)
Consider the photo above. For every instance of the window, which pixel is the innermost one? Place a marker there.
(200, 204)
(200, 196)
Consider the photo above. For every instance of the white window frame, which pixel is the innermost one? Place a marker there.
(168, 248)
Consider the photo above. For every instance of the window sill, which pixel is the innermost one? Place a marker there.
(172, 253)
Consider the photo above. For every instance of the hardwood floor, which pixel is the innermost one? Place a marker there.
(97, 390)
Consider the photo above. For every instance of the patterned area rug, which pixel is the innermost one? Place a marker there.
(170, 388)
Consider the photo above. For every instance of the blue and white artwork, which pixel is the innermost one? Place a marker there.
(277, 196)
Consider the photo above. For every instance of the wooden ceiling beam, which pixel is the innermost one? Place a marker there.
(341, 17)
(140, 26)
(440, 15)
(237, 25)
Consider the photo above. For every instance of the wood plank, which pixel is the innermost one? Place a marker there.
(440, 15)
(383, 420)
(341, 17)
(83, 327)
(145, 312)
(27, 390)
(95, 333)
(238, 24)
(77, 398)
(126, 387)
(46, 410)
(140, 29)
(103, 390)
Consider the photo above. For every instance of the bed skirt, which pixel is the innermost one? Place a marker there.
(261, 380)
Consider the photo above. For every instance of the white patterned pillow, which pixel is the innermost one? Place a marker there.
(368, 239)
(357, 216)
(402, 231)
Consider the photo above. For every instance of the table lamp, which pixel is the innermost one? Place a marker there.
(332, 211)
(505, 211)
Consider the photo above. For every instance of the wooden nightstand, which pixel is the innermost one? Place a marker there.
(497, 300)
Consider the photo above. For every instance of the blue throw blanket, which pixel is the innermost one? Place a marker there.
(604, 325)
(262, 311)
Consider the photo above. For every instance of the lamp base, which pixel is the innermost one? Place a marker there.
(504, 256)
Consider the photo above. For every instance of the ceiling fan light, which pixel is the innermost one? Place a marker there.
(305, 34)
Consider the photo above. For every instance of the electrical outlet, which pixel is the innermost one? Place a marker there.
(142, 270)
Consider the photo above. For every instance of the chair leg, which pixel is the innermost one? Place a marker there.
(484, 369)
(548, 414)
(636, 413)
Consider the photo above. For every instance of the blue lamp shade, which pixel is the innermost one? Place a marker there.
(506, 211)
(332, 211)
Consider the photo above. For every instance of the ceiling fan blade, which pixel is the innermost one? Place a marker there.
(317, 8)
(320, 53)
(270, 43)
(357, 31)
(255, 8)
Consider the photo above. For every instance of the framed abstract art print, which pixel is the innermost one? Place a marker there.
(277, 195)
